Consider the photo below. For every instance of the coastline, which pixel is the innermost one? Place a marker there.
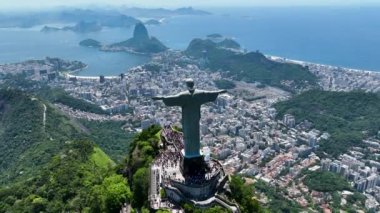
(334, 78)
(331, 78)
(307, 63)
(77, 70)
(107, 48)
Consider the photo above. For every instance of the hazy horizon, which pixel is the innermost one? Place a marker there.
(21, 5)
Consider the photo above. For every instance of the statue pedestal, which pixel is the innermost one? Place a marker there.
(193, 166)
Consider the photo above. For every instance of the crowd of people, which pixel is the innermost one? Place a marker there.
(174, 137)
(169, 160)
(172, 158)
(202, 176)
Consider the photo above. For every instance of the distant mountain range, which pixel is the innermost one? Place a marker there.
(123, 17)
(161, 12)
(81, 27)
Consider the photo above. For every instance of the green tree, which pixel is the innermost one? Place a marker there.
(116, 191)
(111, 194)
(39, 204)
(140, 186)
(243, 194)
(326, 182)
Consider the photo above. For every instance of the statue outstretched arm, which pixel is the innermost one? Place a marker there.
(173, 100)
(157, 98)
(210, 96)
(222, 91)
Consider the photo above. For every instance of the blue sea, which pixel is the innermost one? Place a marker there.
(341, 36)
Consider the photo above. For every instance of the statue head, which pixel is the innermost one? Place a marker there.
(190, 84)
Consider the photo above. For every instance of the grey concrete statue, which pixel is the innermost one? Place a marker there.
(191, 102)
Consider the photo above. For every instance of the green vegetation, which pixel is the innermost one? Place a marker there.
(111, 194)
(229, 43)
(110, 137)
(345, 115)
(140, 187)
(325, 181)
(277, 201)
(356, 198)
(224, 84)
(20, 82)
(142, 152)
(215, 209)
(336, 201)
(143, 149)
(26, 144)
(54, 95)
(243, 194)
(251, 67)
(58, 95)
(53, 167)
(73, 181)
(101, 159)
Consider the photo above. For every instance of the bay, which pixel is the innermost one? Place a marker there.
(340, 36)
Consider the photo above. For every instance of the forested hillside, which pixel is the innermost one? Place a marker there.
(252, 66)
(78, 179)
(49, 162)
(31, 132)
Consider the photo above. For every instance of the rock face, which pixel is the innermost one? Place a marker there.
(140, 32)
(139, 43)
(229, 43)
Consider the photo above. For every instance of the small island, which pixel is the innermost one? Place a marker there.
(90, 43)
(48, 29)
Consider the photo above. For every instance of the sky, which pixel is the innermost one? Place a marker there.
(40, 4)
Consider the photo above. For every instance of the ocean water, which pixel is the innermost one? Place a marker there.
(18, 45)
(340, 36)
(345, 36)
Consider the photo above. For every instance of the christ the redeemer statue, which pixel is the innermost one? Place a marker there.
(191, 102)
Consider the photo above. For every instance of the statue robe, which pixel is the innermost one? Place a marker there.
(191, 114)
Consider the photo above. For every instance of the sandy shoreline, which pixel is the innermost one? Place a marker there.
(306, 63)
(334, 78)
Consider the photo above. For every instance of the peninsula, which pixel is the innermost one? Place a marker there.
(80, 27)
(140, 43)
(227, 56)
